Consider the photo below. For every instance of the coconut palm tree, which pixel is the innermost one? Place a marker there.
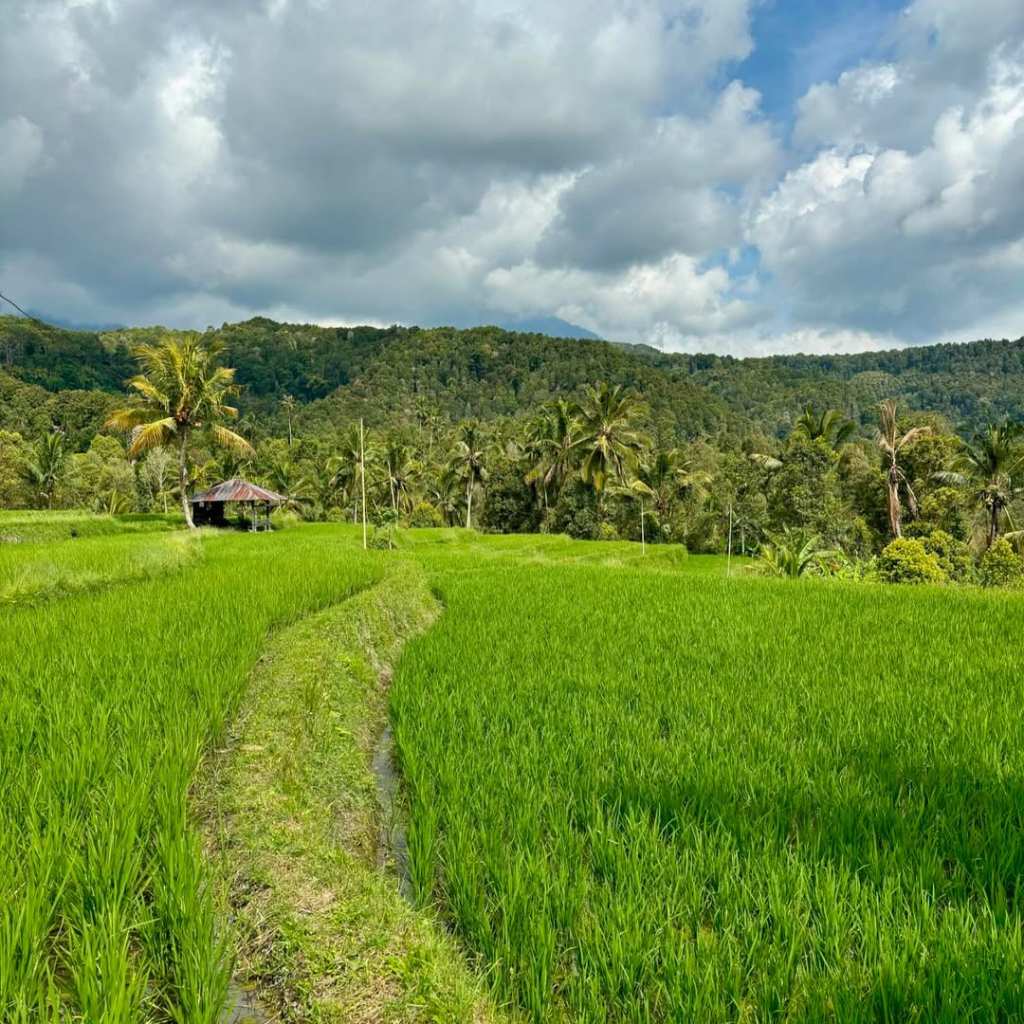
(288, 407)
(892, 443)
(180, 391)
(830, 426)
(287, 479)
(551, 445)
(991, 464)
(445, 493)
(468, 463)
(44, 471)
(670, 474)
(343, 468)
(401, 470)
(609, 440)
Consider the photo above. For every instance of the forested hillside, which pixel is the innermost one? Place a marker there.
(486, 373)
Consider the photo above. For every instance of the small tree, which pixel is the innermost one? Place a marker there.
(1001, 566)
(906, 560)
(990, 464)
(795, 553)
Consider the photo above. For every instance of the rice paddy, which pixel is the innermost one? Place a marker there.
(637, 789)
(109, 699)
(650, 796)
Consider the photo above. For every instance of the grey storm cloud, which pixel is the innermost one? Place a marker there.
(209, 159)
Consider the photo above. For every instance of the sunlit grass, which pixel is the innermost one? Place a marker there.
(49, 527)
(652, 796)
(639, 790)
(109, 700)
(36, 572)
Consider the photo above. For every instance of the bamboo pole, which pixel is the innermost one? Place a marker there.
(728, 563)
(362, 476)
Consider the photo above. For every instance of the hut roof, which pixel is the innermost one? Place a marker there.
(238, 490)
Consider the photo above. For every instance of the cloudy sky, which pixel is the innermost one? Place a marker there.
(747, 176)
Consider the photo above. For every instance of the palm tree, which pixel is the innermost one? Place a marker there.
(989, 463)
(181, 390)
(349, 465)
(288, 406)
(401, 471)
(892, 443)
(669, 473)
(286, 478)
(468, 463)
(830, 426)
(608, 438)
(551, 445)
(794, 553)
(45, 470)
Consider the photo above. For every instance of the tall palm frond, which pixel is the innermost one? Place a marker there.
(830, 426)
(990, 464)
(609, 440)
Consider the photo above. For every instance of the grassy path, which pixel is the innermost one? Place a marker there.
(293, 821)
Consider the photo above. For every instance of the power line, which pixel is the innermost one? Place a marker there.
(11, 302)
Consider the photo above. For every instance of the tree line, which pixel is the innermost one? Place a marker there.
(828, 497)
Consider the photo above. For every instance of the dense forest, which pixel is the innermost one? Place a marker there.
(524, 432)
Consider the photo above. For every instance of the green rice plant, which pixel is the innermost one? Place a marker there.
(31, 573)
(669, 795)
(110, 698)
(52, 527)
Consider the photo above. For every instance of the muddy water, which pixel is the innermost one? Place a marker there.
(392, 846)
(244, 1008)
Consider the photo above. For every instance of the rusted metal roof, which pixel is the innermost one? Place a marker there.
(238, 490)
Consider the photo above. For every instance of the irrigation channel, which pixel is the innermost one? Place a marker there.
(392, 844)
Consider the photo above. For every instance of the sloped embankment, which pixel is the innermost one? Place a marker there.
(294, 822)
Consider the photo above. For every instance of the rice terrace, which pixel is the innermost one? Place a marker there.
(634, 786)
(511, 512)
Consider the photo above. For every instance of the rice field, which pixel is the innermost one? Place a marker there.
(30, 573)
(668, 796)
(48, 527)
(637, 789)
(110, 698)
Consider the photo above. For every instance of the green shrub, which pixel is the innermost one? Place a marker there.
(607, 531)
(953, 555)
(575, 512)
(426, 515)
(1000, 566)
(905, 560)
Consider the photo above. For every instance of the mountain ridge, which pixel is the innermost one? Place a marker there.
(403, 373)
